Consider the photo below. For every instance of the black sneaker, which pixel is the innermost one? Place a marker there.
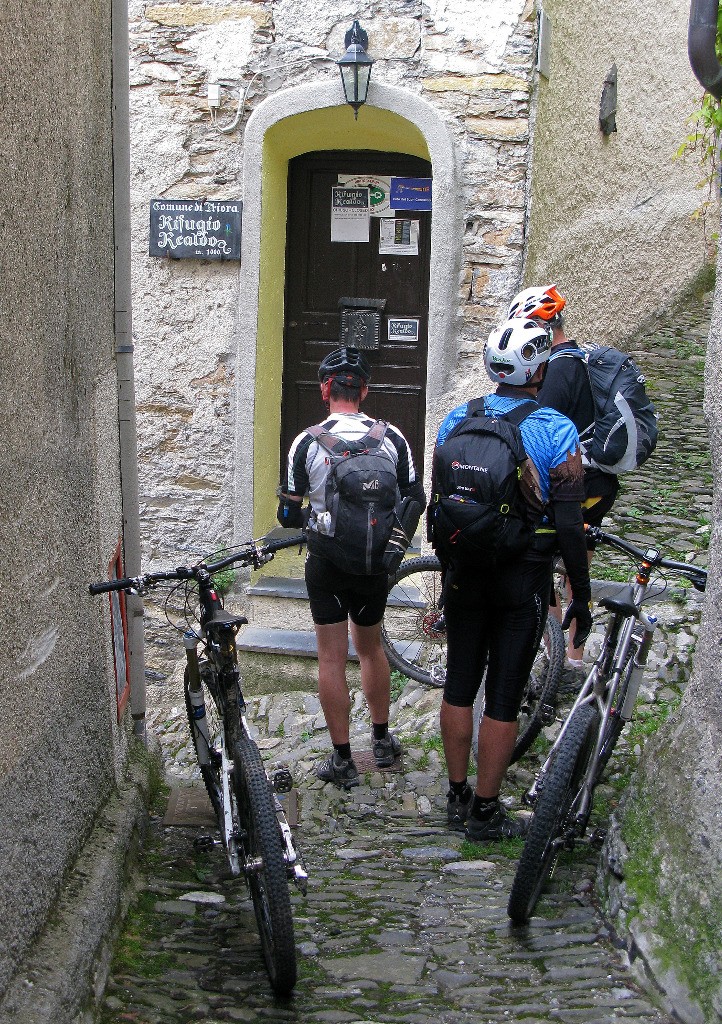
(458, 807)
(386, 750)
(498, 826)
(342, 773)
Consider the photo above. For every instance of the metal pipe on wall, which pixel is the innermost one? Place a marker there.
(124, 355)
(701, 39)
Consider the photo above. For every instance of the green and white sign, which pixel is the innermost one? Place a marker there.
(379, 186)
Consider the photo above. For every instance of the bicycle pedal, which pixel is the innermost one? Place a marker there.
(597, 837)
(528, 800)
(205, 843)
(282, 780)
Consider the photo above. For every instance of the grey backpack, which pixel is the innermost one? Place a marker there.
(624, 432)
(362, 502)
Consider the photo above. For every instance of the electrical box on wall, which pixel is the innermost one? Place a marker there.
(544, 42)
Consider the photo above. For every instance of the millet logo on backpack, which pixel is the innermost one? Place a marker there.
(372, 485)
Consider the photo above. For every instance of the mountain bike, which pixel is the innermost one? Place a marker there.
(563, 791)
(254, 832)
(413, 632)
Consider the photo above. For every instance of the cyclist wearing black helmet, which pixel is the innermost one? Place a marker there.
(335, 596)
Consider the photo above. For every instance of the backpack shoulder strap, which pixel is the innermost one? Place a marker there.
(375, 436)
(333, 444)
(519, 413)
(570, 353)
(476, 407)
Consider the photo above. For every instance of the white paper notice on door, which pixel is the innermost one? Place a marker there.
(350, 214)
(399, 237)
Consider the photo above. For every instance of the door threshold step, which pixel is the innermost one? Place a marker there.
(299, 643)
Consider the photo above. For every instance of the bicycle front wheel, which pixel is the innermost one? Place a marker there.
(551, 816)
(413, 631)
(265, 867)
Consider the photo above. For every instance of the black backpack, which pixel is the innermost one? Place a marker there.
(362, 502)
(477, 516)
(624, 432)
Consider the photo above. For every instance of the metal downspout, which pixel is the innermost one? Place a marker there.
(124, 355)
(701, 38)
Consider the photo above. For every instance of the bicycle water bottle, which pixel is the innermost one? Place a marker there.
(197, 701)
(638, 666)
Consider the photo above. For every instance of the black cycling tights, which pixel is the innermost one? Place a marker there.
(497, 616)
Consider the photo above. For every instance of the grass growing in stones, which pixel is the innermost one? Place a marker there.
(509, 849)
(648, 718)
(398, 682)
(132, 953)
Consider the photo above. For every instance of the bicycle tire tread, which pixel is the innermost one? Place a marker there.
(537, 858)
(270, 893)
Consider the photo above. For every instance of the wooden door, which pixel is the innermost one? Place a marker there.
(319, 272)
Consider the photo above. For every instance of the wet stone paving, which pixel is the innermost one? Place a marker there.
(405, 921)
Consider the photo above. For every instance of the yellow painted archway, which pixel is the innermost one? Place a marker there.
(320, 129)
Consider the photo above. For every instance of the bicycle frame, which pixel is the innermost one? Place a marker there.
(602, 685)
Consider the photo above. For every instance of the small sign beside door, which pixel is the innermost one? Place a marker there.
(410, 194)
(403, 328)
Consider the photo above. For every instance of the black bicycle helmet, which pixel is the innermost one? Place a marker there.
(345, 362)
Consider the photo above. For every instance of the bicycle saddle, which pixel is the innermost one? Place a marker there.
(224, 618)
(622, 602)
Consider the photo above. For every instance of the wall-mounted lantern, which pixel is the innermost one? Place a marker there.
(355, 67)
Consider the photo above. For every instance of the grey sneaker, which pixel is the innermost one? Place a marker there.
(458, 807)
(499, 826)
(342, 773)
(386, 750)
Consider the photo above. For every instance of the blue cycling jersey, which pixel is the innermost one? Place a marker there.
(549, 437)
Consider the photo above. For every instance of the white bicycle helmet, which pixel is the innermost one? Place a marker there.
(516, 350)
(544, 303)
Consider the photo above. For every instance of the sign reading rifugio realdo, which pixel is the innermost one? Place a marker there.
(196, 229)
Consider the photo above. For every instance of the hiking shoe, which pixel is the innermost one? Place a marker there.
(386, 750)
(458, 807)
(498, 826)
(336, 769)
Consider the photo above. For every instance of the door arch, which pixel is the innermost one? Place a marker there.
(290, 123)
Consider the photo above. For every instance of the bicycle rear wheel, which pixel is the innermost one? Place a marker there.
(551, 816)
(265, 867)
(210, 773)
(413, 631)
(538, 704)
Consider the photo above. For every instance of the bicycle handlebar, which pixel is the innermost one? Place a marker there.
(694, 573)
(252, 553)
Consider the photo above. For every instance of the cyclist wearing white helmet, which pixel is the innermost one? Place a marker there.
(567, 389)
(335, 596)
(495, 617)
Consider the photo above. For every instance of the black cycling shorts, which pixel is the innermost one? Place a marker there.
(495, 619)
(334, 595)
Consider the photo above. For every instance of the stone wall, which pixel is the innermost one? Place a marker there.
(470, 63)
(60, 499)
(612, 217)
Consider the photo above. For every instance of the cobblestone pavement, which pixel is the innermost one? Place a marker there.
(404, 921)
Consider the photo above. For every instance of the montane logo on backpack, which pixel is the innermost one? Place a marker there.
(463, 465)
(372, 485)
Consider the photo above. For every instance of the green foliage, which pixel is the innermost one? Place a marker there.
(704, 139)
(398, 682)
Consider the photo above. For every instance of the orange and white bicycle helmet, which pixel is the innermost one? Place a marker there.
(544, 303)
(516, 350)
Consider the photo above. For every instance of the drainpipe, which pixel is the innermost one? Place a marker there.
(701, 39)
(124, 356)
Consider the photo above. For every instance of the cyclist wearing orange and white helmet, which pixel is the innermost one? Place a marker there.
(566, 388)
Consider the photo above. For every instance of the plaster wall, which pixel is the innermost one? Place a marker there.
(612, 218)
(60, 499)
